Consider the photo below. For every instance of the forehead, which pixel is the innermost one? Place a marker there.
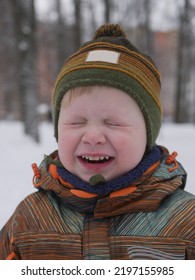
(104, 100)
(70, 95)
(97, 92)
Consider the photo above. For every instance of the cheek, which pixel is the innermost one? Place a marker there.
(130, 148)
(65, 149)
(123, 141)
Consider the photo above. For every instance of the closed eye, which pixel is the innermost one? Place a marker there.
(113, 124)
(75, 122)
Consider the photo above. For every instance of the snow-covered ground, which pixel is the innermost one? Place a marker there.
(18, 152)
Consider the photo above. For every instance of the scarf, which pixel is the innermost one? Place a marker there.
(121, 182)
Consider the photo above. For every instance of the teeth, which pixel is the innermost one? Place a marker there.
(92, 158)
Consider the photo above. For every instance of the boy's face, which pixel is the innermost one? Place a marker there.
(101, 132)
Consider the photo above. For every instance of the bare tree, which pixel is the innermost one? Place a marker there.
(147, 5)
(136, 16)
(60, 34)
(107, 10)
(65, 33)
(9, 89)
(24, 22)
(184, 65)
(78, 24)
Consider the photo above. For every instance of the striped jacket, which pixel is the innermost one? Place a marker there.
(155, 221)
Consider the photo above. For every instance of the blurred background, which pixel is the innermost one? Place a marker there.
(36, 37)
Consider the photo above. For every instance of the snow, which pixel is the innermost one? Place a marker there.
(18, 152)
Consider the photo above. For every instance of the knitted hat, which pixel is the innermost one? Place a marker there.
(111, 60)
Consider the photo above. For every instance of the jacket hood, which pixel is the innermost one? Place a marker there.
(145, 195)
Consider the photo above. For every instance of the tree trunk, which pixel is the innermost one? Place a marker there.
(184, 66)
(107, 10)
(148, 31)
(9, 89)
(60, 35)
(78, 24)
(24, 18)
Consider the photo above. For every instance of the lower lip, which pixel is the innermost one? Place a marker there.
(94, 166)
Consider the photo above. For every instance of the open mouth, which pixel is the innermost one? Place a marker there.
(96, 159)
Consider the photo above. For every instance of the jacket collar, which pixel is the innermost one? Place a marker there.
(145, 194)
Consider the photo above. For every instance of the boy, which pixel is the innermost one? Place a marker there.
(109, 192)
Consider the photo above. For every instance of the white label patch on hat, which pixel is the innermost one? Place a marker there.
(103, 55)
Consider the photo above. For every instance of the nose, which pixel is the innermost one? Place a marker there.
(93, 136)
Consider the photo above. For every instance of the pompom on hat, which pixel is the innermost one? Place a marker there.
(111, 60)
